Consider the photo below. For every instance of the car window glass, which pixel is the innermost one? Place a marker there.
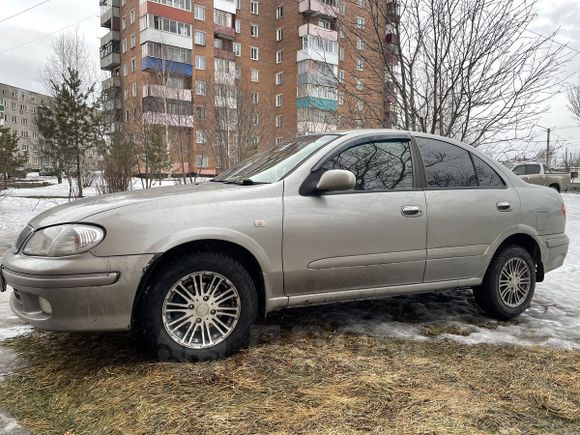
(519, 170)
(446, 165)
(486, 176)
(377, 165)
(532, 169)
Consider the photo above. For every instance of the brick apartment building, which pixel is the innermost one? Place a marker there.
(180, 63)
(17, 112)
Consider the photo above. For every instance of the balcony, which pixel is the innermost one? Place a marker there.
(112, 105)
(228, 6)
(156, 118)
(113, 35)
(111, 61)
(156, 64)
(166, 92)
(220, 53)
(391, 38)
(313, 29)
(224, 32)
(316, 103)
(318, 7)
(111, 83)
(110, 12)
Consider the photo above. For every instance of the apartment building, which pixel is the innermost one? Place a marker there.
(226, 73)
(17, 112)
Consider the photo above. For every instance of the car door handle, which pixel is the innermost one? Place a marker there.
(411, 211)
(503, 206)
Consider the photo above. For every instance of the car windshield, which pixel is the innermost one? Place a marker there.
(273, 165)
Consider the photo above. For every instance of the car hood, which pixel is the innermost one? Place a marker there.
(83, 208)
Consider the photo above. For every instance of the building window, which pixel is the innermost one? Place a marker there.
(132, 16)
(280, 77)
(279, 140)
(358, 105)
(341, 54)
(123, 23)
(278, 100)
(254, 30)
(237, 48)
(199, 12)
(200, 87)
(24, 146)
(200, 112)
(359, 84)
(360, 22)
(133, 64)
(125, 93)
(340, 98)
(279, 121)
(124, 46)
(360, 44)
(133, 40)
(341, 76)
(125, 70)
(199, 37)
(254, 7)
(255, 98)
(238, 26)
(360, 64)
(324, 24)
(134, 89)
(255, 75)
(201, 161)
(279, 34)
(200, 62)
(343, 8)
(360, 3)
(254, 53)
(199, 137)
(279, 12)
(279, 56)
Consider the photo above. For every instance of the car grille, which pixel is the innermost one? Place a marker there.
(22, 237)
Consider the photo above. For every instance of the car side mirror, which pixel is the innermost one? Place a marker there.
(336, 180)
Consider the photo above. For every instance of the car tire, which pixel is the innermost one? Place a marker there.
(509, 284)
(164, 307)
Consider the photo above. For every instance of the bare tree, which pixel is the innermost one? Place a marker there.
(467, 69)
(69, 51)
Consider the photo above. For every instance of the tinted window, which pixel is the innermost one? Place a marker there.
(446, 165)
(519, 170)
(486, 176)
(532, 169)
(377, 165)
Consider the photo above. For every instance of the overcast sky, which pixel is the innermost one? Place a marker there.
(24, 46)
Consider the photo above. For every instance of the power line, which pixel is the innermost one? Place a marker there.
(25, 10)
(46, 36)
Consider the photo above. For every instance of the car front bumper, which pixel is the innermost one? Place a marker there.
(78, 293)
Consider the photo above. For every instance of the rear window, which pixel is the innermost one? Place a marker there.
(486, 176)
(532, 169)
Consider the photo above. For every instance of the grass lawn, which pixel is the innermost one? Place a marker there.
(292, 380)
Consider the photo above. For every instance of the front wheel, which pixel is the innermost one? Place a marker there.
(200, 307)
(509, 284)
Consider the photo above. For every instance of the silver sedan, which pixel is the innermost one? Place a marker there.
(319, 219)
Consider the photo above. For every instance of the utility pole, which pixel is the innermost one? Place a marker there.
(548, 150)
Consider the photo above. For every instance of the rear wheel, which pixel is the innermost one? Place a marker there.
(509, 284)
(555, 186)
(199, 308)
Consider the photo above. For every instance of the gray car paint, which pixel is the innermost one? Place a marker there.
(311, 249)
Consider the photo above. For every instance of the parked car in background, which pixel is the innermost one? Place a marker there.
(537, 173)
(346, 216)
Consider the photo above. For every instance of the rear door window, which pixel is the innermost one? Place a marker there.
(532, 169)
(486, 176)
(446, 166)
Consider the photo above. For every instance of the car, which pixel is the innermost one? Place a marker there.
(537, 173)
(319, 219)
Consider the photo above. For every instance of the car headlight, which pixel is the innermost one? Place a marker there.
(62, 240)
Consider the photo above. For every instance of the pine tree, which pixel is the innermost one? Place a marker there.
(10, 158)
(71, 126)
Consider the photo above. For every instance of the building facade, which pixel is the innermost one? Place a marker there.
(17, 112)
(227, 77)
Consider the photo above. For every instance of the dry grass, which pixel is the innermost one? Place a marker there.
(293, 381)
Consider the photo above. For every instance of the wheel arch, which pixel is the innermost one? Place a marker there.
(232, 249)
(527, 242)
